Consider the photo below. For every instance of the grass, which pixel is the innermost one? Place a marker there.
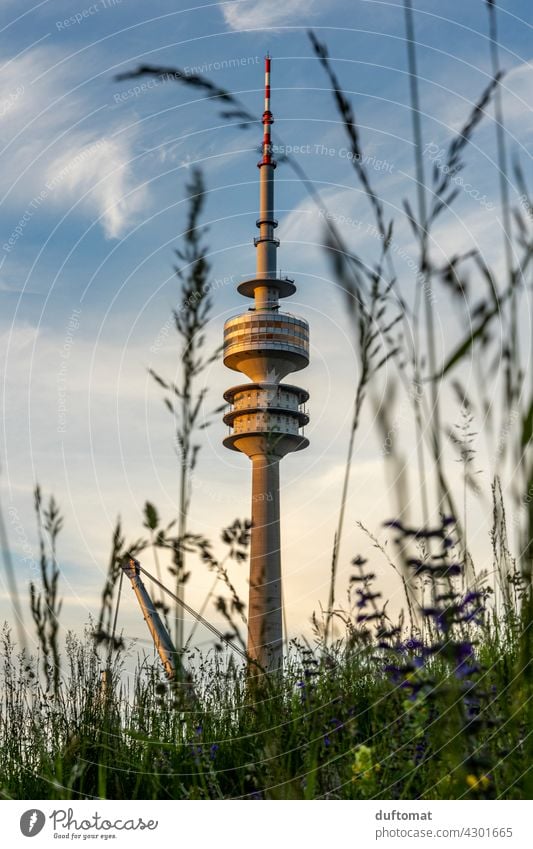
(441, 712)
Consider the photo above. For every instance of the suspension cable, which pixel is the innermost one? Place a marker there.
(196, 615)
(115, 618)
(117, 607)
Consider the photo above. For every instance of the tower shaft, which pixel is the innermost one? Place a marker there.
(265, 626)
(266, 243)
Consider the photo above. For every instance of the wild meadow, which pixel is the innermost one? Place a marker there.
(433, 703)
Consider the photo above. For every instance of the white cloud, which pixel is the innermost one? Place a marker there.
(46, 156)
(16, 341)
(517, 89)
(451, 105)
(255, 14)
(307, 222)
(100, 173)
(34, 112)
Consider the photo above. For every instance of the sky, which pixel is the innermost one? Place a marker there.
(93, 205)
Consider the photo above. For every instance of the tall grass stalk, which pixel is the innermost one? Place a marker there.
(185, 399)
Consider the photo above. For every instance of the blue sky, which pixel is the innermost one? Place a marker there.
(92, 187)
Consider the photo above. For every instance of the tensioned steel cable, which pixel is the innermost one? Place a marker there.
(117, 607)
(193, 613)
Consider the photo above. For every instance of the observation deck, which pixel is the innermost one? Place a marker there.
(266, 344)
(268, 415)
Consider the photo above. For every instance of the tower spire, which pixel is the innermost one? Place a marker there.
(268, 120)
(265, 416)
(266, 243)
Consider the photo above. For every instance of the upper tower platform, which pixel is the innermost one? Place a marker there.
(265, 343)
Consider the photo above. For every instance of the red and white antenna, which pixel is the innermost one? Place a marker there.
(267, 118)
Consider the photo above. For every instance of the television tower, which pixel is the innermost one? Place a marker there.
(265, 416)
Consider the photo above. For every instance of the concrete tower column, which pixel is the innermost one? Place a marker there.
(264, 610)
(267, 243)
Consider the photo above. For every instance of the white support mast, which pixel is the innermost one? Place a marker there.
(159, 633)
